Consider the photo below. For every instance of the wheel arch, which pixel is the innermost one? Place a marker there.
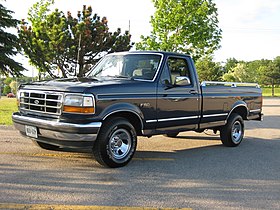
(241, 109)
(130, 115)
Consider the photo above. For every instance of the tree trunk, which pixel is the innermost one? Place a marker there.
(272, 88)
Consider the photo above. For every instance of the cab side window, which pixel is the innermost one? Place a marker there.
(174, 70)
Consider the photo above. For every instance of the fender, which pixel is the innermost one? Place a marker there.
(122, 107)
(238, 105)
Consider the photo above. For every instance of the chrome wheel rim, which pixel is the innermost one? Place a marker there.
(120, 143)
(237, 132)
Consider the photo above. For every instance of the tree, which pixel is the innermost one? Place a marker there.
(56, 42)
(13, 85)
(271, 73)
(208, 70)
(230, 64)
(9, 44)
(6, 90)
(186, 26)
(8, 80)
(275, 73)
(240, 73)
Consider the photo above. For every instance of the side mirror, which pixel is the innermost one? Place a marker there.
(182, 81)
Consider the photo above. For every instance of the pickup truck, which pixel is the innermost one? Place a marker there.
(132, 94)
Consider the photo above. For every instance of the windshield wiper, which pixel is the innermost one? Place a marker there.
(92, 78)
(121, 76)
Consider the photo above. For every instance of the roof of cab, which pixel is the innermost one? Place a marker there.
(159, 52)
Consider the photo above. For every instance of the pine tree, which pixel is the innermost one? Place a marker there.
(61, 43)
(9, 44)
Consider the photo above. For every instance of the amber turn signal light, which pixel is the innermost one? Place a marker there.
(75, 109)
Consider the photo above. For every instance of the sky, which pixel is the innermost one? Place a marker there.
(251, 28)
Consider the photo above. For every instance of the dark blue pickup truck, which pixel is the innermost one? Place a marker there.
(132, 94)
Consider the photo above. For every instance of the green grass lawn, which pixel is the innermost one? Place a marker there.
(7, 107)
(268, 92)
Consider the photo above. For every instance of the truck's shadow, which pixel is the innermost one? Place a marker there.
(206, 137)
(254, 154)
(269, 122)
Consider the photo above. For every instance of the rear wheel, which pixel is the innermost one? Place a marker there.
(116, 143)
(233, 132)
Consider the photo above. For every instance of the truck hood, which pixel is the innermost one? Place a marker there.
(74, 85)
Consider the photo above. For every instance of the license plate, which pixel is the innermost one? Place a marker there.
(31, 131)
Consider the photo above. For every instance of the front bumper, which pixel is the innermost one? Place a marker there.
(54, 132)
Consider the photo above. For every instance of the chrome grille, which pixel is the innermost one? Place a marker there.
(40, 102)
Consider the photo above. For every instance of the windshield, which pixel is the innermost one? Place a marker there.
(136, 66)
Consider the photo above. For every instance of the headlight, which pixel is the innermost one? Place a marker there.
(21, 98)
(79, 104)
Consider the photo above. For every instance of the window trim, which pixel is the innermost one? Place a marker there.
(191, 76)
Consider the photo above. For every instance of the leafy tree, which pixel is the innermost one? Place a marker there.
(257, 71)
(271, 73)
(186, 26)
(230, 64)
(71, 45)
(8, 80)
(6, 85)
(13, 85)
(6, 90)
(238, 74)
(275, 70)
(208, 70)
(9, 45)
(256, 67)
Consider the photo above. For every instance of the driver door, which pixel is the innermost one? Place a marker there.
(177, 102)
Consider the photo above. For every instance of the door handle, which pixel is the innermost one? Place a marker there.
(193, 92)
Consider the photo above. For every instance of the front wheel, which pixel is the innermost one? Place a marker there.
(233, 132)
(116, 143)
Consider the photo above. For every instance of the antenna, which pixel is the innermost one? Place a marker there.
(78, 54)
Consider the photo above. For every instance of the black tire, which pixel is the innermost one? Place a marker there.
(233, 132)
(116, 143)
(46, 146)
(171, 135)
